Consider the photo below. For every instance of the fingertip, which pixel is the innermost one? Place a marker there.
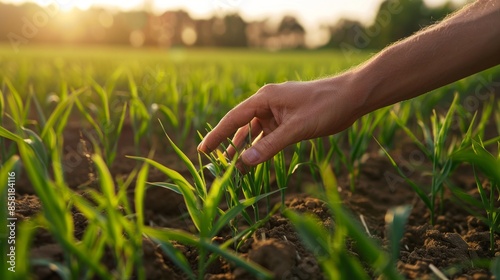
(266, 147)
(200, 148)
(203, 147)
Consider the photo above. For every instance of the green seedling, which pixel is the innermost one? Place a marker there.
(56, 217)
(257, 181)
(18, 110)
(359, 136)
(282, 172)
(203, 208)
(109, 123)
(139, 114)
(489, 165)
(10, 165)
(395, 220)
(329, 244)
(387, 127)
(439, 150)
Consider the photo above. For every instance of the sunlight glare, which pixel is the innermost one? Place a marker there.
(65, 5)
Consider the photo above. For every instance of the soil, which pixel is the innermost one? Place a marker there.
(452, 244)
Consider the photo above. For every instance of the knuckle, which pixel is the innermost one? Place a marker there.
(267, 147)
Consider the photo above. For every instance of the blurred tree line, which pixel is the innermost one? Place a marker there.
(34, 24)
(395, 19)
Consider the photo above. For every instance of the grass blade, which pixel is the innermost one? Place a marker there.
(495, 267)
(481, 158)
(200, 187)
(184, 186)
(188, 239)
(168, 186)
(415, 188)
(59, 114)
(396, 219)
(177, 257)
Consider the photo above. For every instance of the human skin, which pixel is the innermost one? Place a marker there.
(466, 42)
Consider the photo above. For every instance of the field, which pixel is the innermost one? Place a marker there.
(101, 179)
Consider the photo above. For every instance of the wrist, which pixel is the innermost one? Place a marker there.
(344, 99)
(377, 83)
(354, 89)
(364, 84)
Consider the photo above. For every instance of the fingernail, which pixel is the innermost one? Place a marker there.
(199, 148)
(250, 156)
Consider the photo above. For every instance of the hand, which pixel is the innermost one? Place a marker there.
(282, 114)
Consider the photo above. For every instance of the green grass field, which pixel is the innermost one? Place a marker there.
(106, 89)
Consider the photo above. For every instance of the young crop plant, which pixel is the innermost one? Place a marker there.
(7, 167)
(329, 244)
(202, 203)
(282, 173)
(396, 219)
(46, 136)
(138, 113)
(319, 154)
(438, 146)
(387, 128)
(109, 124)
(41, 156)
(54, 194)
(489, 165)
(157, 93)
(4, 153)
(13, 106)
(255, 183)
(111, 232)
(358, 136)
(257, 180)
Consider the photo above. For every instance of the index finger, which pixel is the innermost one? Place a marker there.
(237, 117)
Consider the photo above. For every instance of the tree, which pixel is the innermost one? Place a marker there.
(231, 32)
(291, 33)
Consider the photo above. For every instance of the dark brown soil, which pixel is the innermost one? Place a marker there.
(453, 242)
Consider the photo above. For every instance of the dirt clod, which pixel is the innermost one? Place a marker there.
(276, 255)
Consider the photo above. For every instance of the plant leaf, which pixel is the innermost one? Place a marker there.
(186, 189)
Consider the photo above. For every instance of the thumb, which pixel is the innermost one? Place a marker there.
(266, 147)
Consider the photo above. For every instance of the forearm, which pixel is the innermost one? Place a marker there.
(463, 44)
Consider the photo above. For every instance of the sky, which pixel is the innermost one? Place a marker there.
(311, 13)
